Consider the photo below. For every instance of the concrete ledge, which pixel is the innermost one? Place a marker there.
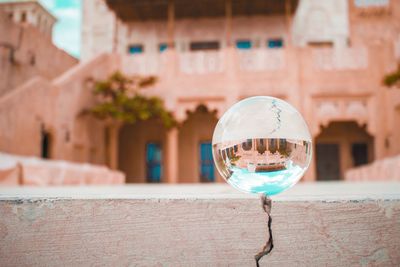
(330, 224)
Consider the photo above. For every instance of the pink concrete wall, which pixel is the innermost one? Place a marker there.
(57, 106)
(33, 171)
(381, 170)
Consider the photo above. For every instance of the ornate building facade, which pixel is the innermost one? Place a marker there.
(327, 58)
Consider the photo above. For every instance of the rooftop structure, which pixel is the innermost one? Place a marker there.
(30, 12)
(26, 47)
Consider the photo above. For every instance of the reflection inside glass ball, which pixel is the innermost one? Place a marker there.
(262, 145)
(262, 165)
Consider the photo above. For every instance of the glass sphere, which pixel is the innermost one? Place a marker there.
(262, 145)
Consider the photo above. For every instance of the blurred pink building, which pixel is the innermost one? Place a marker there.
(327, 58)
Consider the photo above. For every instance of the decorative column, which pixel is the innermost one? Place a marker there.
(171, 151)
(171, 23)
(171, 66)
(230, 58)
(288, 15)
(116, 33)
(228, 22)
(112, 146)
(171, 156)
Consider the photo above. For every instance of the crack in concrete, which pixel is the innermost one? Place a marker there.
(266, 204)
(277, 111)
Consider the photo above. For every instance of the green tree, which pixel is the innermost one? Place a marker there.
(119, 100)
(393, 79)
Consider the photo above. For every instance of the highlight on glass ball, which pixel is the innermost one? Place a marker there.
(262, 145)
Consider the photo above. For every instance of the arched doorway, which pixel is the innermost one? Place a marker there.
(340, 146)
(45, 144)
(141, 152)
(195, 151)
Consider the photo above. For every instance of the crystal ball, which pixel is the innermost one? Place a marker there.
(262, 145)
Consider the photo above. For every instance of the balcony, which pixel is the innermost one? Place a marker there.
(202, 62)
(282, 70)
(206, 62)
(320, 224)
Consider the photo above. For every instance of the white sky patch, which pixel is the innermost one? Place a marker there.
(67, 31)
(49, 4)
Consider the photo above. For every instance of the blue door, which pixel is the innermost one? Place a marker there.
(206, 162)
(153, 162)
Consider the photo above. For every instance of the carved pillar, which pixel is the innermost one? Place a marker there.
(171, 156)
(288, 15)
(228, 22)
(230, 58)
(171, 23)
(172, 62)
(112, 132)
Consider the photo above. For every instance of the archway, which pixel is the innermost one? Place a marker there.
(46, 142)
(140, 152)
(340, 146)
(195, 156)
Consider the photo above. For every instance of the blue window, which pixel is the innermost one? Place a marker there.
(135, 49)
(243, 44)
(162, 47)
(275, 43)
(206, 162)
(153, 162)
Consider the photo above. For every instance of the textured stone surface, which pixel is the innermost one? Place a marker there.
(381, 170)
(19, 170)
(313, 225)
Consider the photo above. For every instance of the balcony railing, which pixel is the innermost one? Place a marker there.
(320, 224)
(144, 64)
(254, 60)
(340, 59)
(262, 60)
(201, 62)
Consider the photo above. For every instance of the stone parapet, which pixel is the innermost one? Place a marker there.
(386, 169)
(17, 170)
(320, 224)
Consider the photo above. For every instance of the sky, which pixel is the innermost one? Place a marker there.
(66, 33)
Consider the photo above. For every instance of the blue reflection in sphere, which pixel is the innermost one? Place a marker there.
(262, 145)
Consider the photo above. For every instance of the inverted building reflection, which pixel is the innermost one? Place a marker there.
(262, 154)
